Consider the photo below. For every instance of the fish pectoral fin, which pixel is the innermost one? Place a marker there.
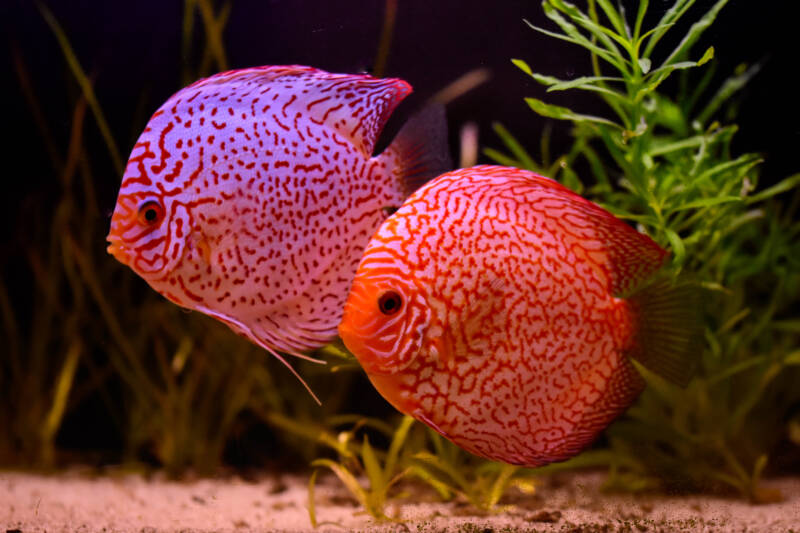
(200, 243)
(486, 310)
(441, 348)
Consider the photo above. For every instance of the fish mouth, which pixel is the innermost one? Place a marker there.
(117, 249)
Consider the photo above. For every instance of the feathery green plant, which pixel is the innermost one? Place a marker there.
(664, 162)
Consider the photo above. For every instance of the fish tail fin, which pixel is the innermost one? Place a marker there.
(420, 151)
(668, 328)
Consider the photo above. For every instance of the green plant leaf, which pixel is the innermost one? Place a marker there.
(85, 84)
(571, 34)
(437, 462)
(372, 468)
(585, 82)
(546, 80)
(731, 86)
(66, 377)
(500, 484)
(598, 31)
(445, 491)
(525, 160)
(347, 478)
(650, 32)
(695, 32)
(523, 66)
(312, 510)
(741, 165)
(787, 325)
(782, 186)
(706, 202)
(667, 69)
(708, 55)
(502, 159)
(677, 246)
(399, 438)
(563, 113)
(613, 16)
(637, 27)
(614, 98)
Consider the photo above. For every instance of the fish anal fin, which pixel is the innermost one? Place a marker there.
(668, 328)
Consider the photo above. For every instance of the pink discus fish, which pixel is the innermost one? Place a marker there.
(502, 310)
(251, 194)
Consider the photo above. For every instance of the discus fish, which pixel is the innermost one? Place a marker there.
(251, 194)
(502, 310)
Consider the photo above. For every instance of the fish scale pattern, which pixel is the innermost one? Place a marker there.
(520, 355)
(270, 193)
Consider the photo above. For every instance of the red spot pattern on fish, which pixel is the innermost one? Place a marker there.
(270, 193)
(506, 329)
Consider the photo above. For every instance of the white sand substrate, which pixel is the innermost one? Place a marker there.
(31, 503)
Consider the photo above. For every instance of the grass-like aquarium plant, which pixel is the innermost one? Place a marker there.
(663, 160)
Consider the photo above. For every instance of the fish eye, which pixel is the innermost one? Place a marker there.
(390, 302)
(151, 213)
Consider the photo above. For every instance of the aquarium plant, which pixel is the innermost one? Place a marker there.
(661, 157)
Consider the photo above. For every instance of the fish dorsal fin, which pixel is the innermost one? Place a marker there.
(624, 256)
(420, 152)
(355, 106)
(633, 257)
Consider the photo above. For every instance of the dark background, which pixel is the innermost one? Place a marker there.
(132, 51)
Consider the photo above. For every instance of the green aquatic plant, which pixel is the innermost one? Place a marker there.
(452, 471)
(37, 374)
(664, 161)
(366, 472)
(415, 454)
(381, 470)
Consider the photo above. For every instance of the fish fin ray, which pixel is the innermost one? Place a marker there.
(293, 371)
(668, 328)
(420, 152)
(629, 257)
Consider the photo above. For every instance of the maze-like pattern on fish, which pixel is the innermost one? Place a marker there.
(513, 341)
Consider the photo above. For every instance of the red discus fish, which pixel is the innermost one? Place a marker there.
(251, 194)
(502, 310)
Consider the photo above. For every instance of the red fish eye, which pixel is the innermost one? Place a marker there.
(151, 213)
(390, 302)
